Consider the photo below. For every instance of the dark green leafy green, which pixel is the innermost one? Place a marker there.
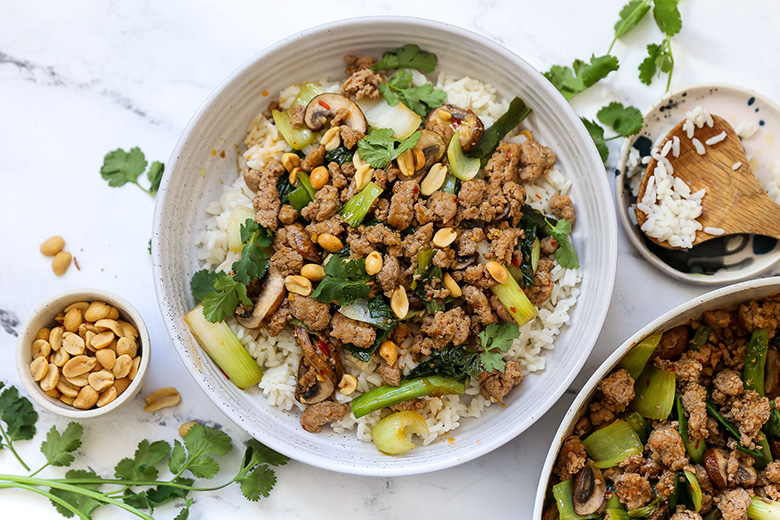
(455, 362)
(142, 465)
(222, 302)
(344, 282)
(202, 283)
(421, 99)
(496, 339)
(570, 81)
(83, 503)
(121, 167)
(341, 155)
(18, 415)
(509, 120)
(407, 57)
(534, 225)
(285, 189)
(254, 257)
(625, 121)
(378, 147)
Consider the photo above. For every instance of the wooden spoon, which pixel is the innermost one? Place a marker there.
(734, 200)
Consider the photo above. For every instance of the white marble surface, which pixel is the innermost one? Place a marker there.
(79, 78)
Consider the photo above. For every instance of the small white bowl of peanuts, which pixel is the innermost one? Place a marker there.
(83, 353)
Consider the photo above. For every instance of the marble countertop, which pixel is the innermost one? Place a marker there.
(80, 78)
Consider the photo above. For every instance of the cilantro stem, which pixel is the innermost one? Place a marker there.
(147, 191)
(668, 43)
(10, 445)
(39, 470)
(50, 496)
(130, 483)
(624, 22)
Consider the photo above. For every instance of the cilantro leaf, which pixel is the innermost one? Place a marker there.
(667, 16)
(142, 466)
(492, 361)
(221, 303)
(82, 503)
(630, 16)
(18, 414)
(407, 57)
(625, 120)
(597, 134)
(257, 483)
(202, 283)
(344, 282)
(254, 259)
(420, 99)
(378, 147)
(58, 447)
(582, 75)
(120, 167)
(659, 59)
(258, 453)
(565, 254)
(158, 495)
(184, 514)
(154, 175)
(202, 441)
(178, 460)
(495, 340)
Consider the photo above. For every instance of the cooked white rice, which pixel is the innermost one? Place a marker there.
(279, 356)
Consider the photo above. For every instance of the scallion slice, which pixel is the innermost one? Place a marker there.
(356, 208)
(654, 393)
(637, 357)
(514, 300)
(612, 444)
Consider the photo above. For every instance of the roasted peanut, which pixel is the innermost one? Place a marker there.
(52, 377)
(102, 340)
(444, 115)
(126, 346)
(389, 352)
(290, 160)
(444, 237)
(88, 335)
(121, 385)
(72, 320)
(60, 357)
(357, 161)
(77, 381)
(162, 398)
(122, 366)
(406, 163)
(109, 395)
(43, 334)
(61, 262)
(86, 399)
(101, 380)
(127, 329)
(319, 177)
(73, 344)
(313, 272)
(452, 285)
(363, 176)
(113, 313)
(96, 311)
(293, 177)
(433, 180)
(55, 338)
(399, 302)
(106, 357)
(53, 393)
(38, 368)
(109, 324)
(348, 384)
(419, 158)
(78, 365)
(66, 388)
(185, 428)
(67, 399)
(53, 245)
(497, 271)
(374, 263)
(332, 139)
(41, 348)
(330, 243)
(81, 306)
(134, 368)
(298, 285)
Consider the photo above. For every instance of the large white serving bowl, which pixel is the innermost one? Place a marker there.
(724, 298)
(195, 176)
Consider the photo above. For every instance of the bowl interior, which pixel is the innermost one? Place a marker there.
(726, 297)
(196, 176)
(44, 315)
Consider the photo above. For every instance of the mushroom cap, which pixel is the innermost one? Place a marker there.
(324, 106)
(589, 490)
(470, 126)
(302, 243)
(311, 389)
(269, 299)
(715, 461)
(319, 370)
(432, 146)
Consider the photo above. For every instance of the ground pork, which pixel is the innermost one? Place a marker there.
(391, 374)
(411, 404)
(313, 313)
(324, 206)
(496, 385)
(717, 319)
(389, 274)
(453, 325)
(287, 260)
(483, 314)
(439, 207)
(502, 242)
(315, 157)
(536, 160)
(350, 136)
(287, 214)
(352, 331)
(666, 446)
(502, 165)
(571, 459)
(297, 116)
(401, 214)
(420, 238)
(278, 320)
(466, 243)
(562, 207)
(633, 490)
(363, 83)
(354, 64)
(542, 289)
(266, 202)
(366, 239)
(693, 400)
(618, 389)
(753, 315)
(733, 504)
(334, 226)
(315, 416)
(685, 514)
(749, 412)
(726, 383)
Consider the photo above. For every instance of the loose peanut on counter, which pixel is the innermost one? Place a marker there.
(61, 262)
(88, 358)
(162, 398)
(53, 245)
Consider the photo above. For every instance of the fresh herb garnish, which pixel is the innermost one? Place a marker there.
(407, 57)
(565, 254)
(136, 484)
(570, 81)
(19, 417)
(120, 167)
(344, 282)
(378, 148)
(420, 99)
(630, 16)
(626, 121)
(254, 258)
(202, 283)
(221, 303)
(496, 339)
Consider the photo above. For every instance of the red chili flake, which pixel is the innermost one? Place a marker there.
(323, 346)
(554, 242)
(323, 104)
(416, 189)
(538, 196)
(516, 262)
(456, 122)
(509, 154)
(512, 309)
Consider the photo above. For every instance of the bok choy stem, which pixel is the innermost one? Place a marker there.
(563, 492)
(514, 299)
(356, 208)
(612, 444)
(386, 395)
(763, 509)
(637, 357)
(654, 393)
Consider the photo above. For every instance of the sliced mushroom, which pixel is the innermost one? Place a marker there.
(673, 343)
(589, 490)
(320, 372)
(324, 106)
(300, 240)
(746, 476)
(662, 513)
(462, 262)
(772, 376)
(715, 461)
(269, 299)
(311, 389)
(446, 119)
(432, 146)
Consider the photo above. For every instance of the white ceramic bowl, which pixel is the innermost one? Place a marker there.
(195, 176)
(726, 297)
(44, 315)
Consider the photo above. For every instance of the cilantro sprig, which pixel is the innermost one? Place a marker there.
(136, 485)
(496, 339)
(626, 121)
(570, 81)
(407, 57)
(121, 167)
(18, 420)
(378, 147)
(345, 281)
(421, 99)
(566, 255)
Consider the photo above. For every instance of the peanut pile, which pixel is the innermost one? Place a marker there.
(89, 359)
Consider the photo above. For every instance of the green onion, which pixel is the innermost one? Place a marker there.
(715, 414)
(298, 138)
(514, 300)
(354, 211)
(616, 514)
(222, 345)
(308, 92)
(450, 185)
(424, 259)
(613, 502)
(654, 393)
(564, 499)
(694, 489)
(386, 395)
(303, 179)
(237, 217)
(646, 511)
(536, 253)
(461, 166)
(488, 143)
(299, 198)
(701, 336)
(695, 448)
(639, 425)
(763, 509)
(612, 444)
(766, 454)
(755, 361)
(637, 357)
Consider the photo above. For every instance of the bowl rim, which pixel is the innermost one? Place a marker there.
(632, 231)
(56, 303)
(609, 234)
(584, 394)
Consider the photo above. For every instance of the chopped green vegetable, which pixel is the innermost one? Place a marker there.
(450, 185)
(534, 227)
(121, 167)
(407, 57)
(508, 121)
(422, 99)
(375, 312)
(763, 509)
(224, 348)
(221, 303)
(570, 81)
(298, 138)
(612, 444)
(378, 148)
(755, 361)
(695, 448)
(463, 167)
(453, 362)
(341, 155)
(648, 510)
(356, 208)
(285, 189)
(344, 282)
(639, 425)
(424, 275)
(636, 359)
(654, 393)
(386, 395)
(299, 198)
(514, 300)
(238, 217)
(733, 431)
(701, 337)
(402, 120)
(563, 492)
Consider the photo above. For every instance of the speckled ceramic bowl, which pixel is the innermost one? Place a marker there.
(725, 259)
(44, 315)
(726, 297)
(195, 176)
